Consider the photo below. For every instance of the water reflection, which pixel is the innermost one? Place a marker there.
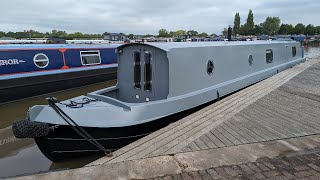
(19, 157)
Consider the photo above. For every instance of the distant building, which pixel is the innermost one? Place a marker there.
(114, 37)
(185, 36)
(56, 40)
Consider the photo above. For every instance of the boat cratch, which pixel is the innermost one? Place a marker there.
(155, 81)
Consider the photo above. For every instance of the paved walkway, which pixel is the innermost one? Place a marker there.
(299, 165)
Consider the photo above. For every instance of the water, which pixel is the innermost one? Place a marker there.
(18, 157)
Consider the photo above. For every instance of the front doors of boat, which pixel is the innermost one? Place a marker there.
(143, 67)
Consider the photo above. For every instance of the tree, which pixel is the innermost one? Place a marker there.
(213, 35)
(163, 33)
(225, 32)
(243, 30)
(204, 34)
(192, 33)
(236, 24)
(2, 34)
(286, 29)
(271, 25)
(299, 29)
(172, 34)
(180, 33)
(257, 30)
(131, 36)
(317, 30)
(249, 25)
(310, 30)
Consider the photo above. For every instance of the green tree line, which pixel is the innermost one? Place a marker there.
(271, 26)
(179, 33)
(53, 33)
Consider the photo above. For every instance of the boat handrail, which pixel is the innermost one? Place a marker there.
(109, 100)
(102, 91)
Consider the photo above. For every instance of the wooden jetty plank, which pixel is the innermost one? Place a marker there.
(194, 147)
(220, 137)
(274, 114)
(186, 149)
(296, 102)
(234, 133)
(296, 119)
(255, 127)
(215, 140)
(280, 127)
(248, 128)
(208, 142)
(226, 134)
(305, 119)
(126, 152)
(248, 133)
(274, 132)
(201, 144)
(240, 131)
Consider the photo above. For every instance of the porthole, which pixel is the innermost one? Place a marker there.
(250, 60)
(41, 60)
(210, 67)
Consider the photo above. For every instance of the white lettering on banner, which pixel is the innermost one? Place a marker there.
(9, 62)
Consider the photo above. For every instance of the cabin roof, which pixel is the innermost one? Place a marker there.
(174, 45)
(57, 46)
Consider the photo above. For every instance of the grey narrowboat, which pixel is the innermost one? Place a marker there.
(155, 81)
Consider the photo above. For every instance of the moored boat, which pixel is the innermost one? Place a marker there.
(30, 70)
(155, 81)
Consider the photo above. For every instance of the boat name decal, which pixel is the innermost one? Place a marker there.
(9, 62)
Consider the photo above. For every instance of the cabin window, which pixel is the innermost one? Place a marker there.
(41, 60)
(250, 60)
(294, 51)
(137, 70)
(148, 71)
(210, 67)
(269, 56)
(90, 58)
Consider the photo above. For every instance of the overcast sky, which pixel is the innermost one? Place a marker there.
(147, 16)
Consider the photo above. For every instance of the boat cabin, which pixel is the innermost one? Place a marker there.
(156, 71)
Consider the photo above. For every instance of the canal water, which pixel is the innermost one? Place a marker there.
(21, 157)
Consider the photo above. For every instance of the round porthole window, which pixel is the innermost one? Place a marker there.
(250, 60)
(210, 67)
(41, 60)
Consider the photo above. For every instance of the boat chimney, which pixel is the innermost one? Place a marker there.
(229, 33)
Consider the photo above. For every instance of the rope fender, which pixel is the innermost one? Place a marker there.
(29, 129)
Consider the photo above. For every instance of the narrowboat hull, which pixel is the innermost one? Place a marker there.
(64, 143)
(154, 84)
(25, 87)
(30, 70)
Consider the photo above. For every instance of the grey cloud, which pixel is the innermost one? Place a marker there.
(146, 16)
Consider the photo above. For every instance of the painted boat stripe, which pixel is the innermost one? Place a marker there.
(54, 71)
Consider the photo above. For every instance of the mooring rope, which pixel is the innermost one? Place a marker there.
(84, 134)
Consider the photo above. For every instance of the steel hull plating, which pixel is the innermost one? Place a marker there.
(63, 143)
